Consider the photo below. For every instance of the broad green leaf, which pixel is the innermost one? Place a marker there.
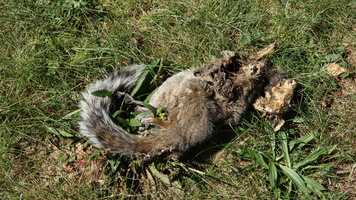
(324, 166)
(52, 130)
(272, 174)
(340, 50)
(285, 149)
(65, 133)
(296, 179)
(315, 155)
(142, 115)
(123, 122)
(59, 132)
(302, 140)
(273, 143)
(117, 113)
(315, 186)
(298, 120)
(331, 58)
(150, 107)
(135, 122)
(344, 75)
(257, 157)
(162, 177)
(102, 93)
(96, 152)
(114, 164)
(240, 154)
(277, 193)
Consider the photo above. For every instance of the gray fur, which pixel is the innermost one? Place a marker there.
(95, 117)
(197, 100)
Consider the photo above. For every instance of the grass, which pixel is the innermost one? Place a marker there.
(51, 50)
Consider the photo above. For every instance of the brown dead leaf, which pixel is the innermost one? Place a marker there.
(335, 70)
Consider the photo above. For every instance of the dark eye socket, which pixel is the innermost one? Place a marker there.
(197, 73)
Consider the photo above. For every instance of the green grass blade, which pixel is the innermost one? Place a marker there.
(351, 172)
(67, 116)
(140, 82)
(150, 95)
(296, 179)
(148, 76)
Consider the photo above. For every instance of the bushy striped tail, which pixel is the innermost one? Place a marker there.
(96, 123)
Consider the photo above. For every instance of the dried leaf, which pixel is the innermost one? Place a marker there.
(335, 70)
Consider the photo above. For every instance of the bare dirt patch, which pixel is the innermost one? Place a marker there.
(342, 105)
(350, 55)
